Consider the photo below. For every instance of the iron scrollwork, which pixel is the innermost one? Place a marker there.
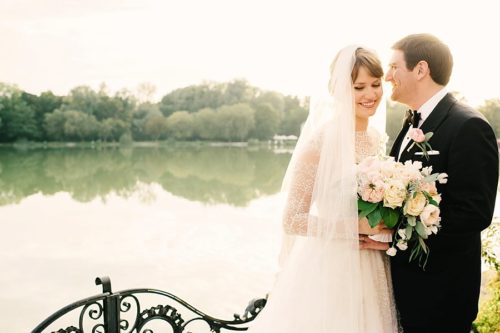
(108, 309)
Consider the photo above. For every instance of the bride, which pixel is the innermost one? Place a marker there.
(326, 284)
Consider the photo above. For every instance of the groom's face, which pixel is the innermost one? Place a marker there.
(402, 79)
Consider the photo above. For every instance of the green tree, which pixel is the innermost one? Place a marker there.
(82, 98)
(293, 120)
(180, 125)
(394, 120)
(113, 129)
(205, 124)
(267, 121)
(192, 98)
(80, 126)
(491, 110)
(276, 100)
(235, 122)
(46, 103)
(18, 117)
(238, 91)
(54, 125)
(155, 126)
(139, 117)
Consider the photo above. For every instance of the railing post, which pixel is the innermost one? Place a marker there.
(111, 306)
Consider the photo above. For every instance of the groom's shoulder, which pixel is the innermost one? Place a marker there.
(461, 112)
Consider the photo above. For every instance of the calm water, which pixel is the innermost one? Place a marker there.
(199, 223)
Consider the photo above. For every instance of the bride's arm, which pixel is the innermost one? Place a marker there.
(296, 216)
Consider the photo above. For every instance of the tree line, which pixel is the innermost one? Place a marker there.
(231, 111)
(209, 175)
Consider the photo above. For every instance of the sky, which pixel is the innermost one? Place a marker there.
(284, 46)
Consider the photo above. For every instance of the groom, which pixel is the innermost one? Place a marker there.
(444, 297)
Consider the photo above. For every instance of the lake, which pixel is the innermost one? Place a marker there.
(197, 222)
(200, 223)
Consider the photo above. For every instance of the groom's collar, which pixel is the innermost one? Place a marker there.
(426, 108)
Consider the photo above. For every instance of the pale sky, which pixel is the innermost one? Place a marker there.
(279, 45)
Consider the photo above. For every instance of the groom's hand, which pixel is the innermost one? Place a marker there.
(364, 228)
(366, 243)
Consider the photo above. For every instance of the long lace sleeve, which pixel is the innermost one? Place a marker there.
(297, 218)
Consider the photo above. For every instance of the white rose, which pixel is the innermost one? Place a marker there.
(402, 245)
(415, 205)
(391, 251)
(442, 178)
(395, 194)
(427, 171)
(430, 215)
(402, 233)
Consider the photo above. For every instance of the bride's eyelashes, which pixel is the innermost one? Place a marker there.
(359, 88)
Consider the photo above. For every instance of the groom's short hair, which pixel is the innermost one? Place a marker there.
(430, 49)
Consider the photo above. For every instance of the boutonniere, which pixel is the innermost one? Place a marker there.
(421, 140)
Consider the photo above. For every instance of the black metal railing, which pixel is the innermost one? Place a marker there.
(122, 312)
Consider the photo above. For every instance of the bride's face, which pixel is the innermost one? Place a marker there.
(367, 93)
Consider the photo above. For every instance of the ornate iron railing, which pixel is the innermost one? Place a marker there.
(106, 312)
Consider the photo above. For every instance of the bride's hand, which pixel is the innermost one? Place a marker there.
(365, 229)
(366, 242)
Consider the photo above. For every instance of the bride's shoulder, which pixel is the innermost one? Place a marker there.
(376, 134)
(378, 139)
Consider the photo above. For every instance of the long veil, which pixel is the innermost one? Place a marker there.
(318, 288)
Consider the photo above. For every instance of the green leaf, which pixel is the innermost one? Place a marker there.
(374, 218)
(390, 217)
(412, 220)
(433, 202)
(414, 252)
(422, 244)
(428, 135)
(431, 178)
(409, 231)
(421, 230)
(363, 205)
(366, 208)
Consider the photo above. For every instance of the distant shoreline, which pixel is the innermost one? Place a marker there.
(149, 144)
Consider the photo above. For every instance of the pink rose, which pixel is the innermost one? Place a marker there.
(417, 135)
(373, 192)
(429, 188)
(430, 215)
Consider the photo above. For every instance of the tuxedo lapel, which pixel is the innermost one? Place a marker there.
(438, 114)
(397, 143)
(432, 123)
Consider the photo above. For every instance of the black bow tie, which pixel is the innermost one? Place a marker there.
(412, 118)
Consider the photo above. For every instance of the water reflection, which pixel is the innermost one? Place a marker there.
(210, 175)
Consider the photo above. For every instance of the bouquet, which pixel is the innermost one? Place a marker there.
(405, 198)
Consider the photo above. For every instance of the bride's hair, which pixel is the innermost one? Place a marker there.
(369, 60)
(363, 57)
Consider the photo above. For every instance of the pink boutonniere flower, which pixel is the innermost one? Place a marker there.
(421, 140)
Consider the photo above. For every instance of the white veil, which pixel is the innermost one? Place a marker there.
(319, 285)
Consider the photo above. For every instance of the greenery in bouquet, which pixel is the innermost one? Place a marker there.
(404, 197)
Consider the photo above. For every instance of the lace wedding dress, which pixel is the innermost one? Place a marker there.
(313, 293)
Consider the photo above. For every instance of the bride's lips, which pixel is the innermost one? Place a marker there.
(368, 105)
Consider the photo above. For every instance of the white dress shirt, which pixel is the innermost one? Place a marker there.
(425, 110)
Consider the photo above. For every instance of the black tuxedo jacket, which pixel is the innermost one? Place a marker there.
(447, 292)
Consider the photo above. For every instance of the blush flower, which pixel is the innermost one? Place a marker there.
(373, 192)
(395, 194)
(415, 205)
(430, 215)
(417, 135)
(391, 251)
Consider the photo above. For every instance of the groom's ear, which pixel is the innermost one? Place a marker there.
(421, 69)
